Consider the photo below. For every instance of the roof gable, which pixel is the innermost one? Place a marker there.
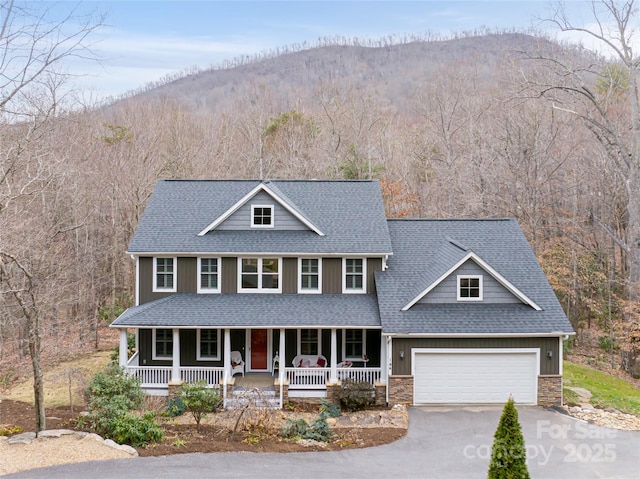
(277, 196)
(471, 256)
(336, 217)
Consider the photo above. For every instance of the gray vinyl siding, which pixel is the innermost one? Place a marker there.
(188, 349)
(547, 366)
(187, 276)
(282, 219)
(332, 275)
(289, 275)
(229, 283)
(447, 290)
(373, 265)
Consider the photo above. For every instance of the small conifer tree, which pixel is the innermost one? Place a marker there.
(508, 454)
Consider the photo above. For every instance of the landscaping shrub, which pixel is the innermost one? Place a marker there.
(175, 407)
(356, 395)
(199, 400)
(332, 409)
(299, 429)
(136, 431)
(508, 454)
(111, 396)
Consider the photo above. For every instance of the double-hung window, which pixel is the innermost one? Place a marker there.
(208, 344)
(309, 341)
(208, 275)
(162, 343)
(262, 216)
(354, 275)
(259, 275)
(470, 288)
(310, 275)
(354, 344)
(164, 274)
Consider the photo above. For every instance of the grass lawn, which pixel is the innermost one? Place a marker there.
(607, 390)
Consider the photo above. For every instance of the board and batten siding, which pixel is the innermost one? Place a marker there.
(447, 290)
(282, 219)
(188, 338)
(187, 276)
(547, 366)
(332, 275)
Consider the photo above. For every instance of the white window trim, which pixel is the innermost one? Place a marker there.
(344, 345)
(202, 290)
(199, 356)
(363, 290)
(156, 289)
(273, 214)
(469, 276)
(153, 345)
(310, 291)
(300, 340)
(259, 289)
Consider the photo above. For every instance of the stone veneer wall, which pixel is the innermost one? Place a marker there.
(550, 390)
(381, 394)
(400, 390)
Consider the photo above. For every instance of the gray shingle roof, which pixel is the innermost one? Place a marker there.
(420, 255)
(255, 310)
(349, 213)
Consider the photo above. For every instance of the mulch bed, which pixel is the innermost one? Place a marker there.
(184, 438)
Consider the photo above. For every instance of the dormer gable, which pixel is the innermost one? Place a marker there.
(265, 207)
(466, 280)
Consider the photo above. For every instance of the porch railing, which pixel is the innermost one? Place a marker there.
(307, 378)
(316, 378)
(370, 375)
(151, 376)
(212, 376)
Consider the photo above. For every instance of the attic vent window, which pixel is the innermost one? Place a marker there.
(261, 216)
(470, 288)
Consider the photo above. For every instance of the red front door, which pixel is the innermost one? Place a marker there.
(259, 349)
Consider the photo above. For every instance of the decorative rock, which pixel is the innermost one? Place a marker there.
(311, 443)
(121, 447)
(24, 438)
(110, 443)
(55, 433)
(93, 437)
(332, 421)
(610, 418)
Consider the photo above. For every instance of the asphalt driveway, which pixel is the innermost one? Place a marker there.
(442, 442)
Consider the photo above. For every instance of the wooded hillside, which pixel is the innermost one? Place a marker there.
(459, 127)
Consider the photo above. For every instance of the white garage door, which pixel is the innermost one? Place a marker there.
(475, 376)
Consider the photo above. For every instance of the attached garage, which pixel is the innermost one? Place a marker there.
(475, 376)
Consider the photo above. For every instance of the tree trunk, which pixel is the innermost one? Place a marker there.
(38, 384)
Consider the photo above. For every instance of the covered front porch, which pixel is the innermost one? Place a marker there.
(301, 362)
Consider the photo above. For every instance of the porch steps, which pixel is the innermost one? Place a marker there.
(253, 397)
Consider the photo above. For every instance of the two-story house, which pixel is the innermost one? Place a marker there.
(309, 281)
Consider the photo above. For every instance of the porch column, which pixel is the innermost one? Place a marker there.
(384, 359)
(123, 355)
(334, 356)
(281, 357)
(175, 365)
(227, 354)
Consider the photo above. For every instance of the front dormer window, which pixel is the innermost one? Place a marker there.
(470, 288)
(262, 216)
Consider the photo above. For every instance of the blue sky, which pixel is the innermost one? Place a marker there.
(144, 40)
